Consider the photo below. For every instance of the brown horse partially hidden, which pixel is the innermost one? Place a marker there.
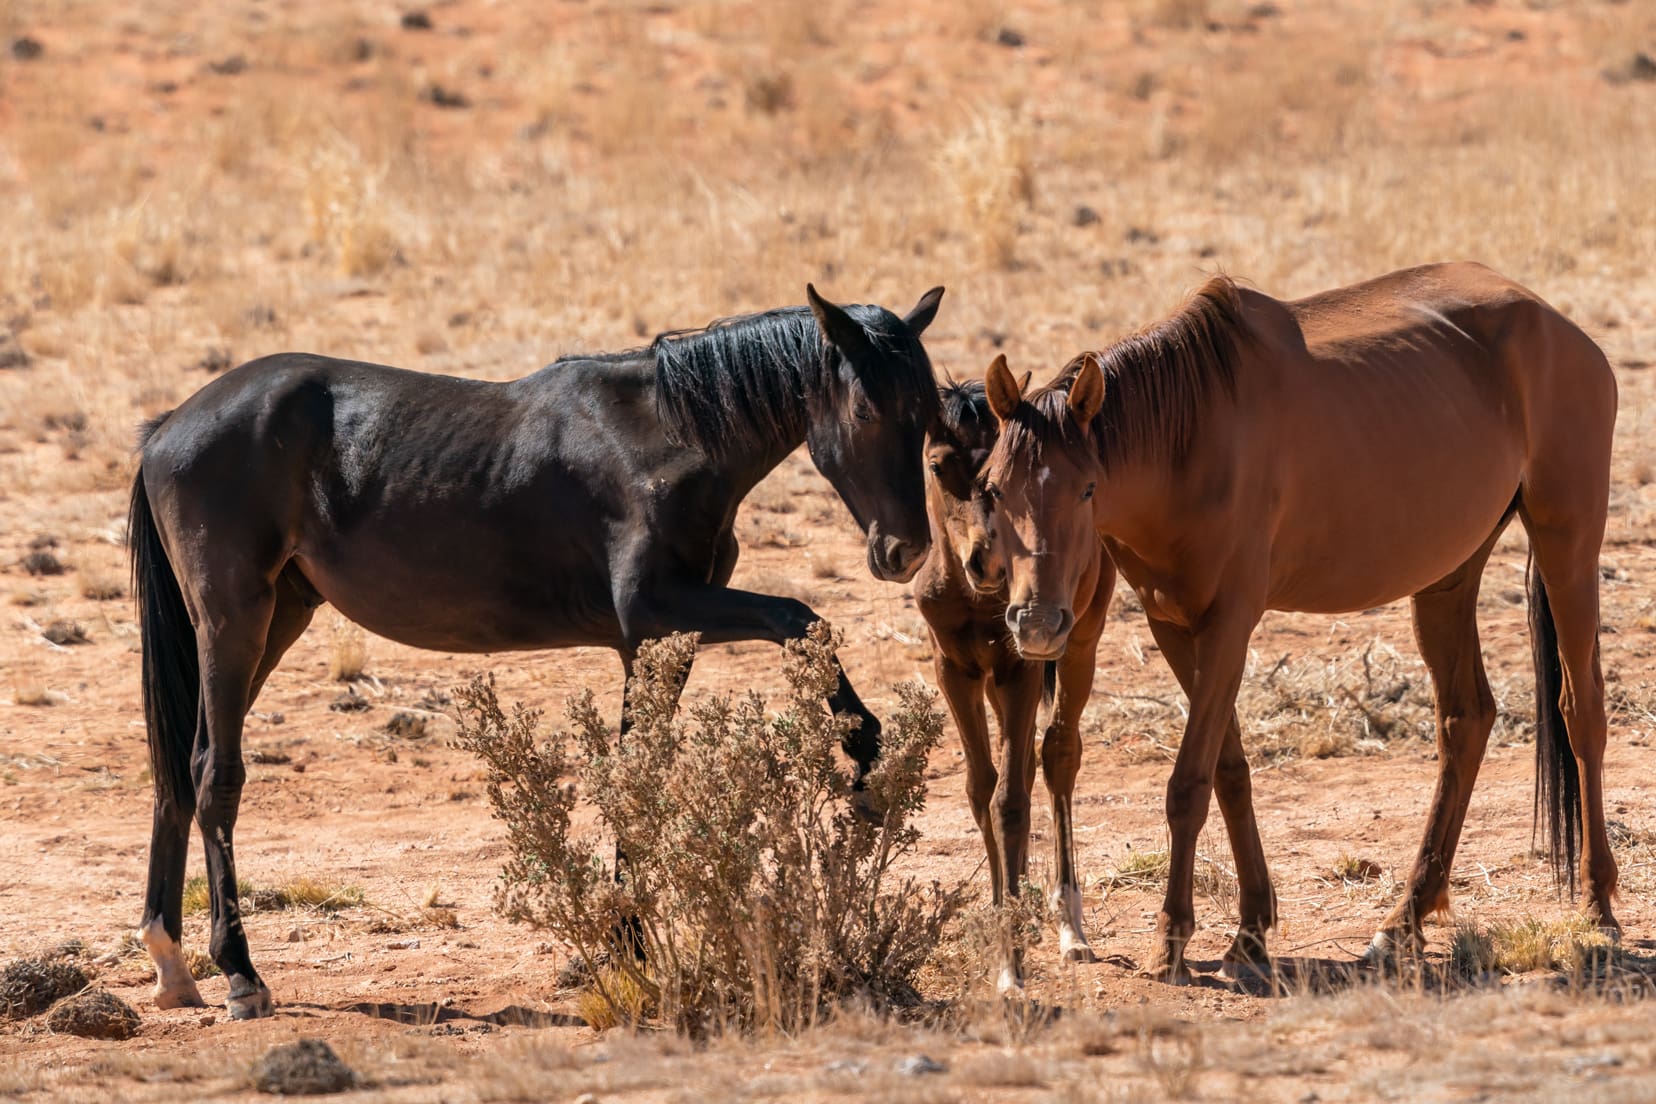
(1332, 454)
(961, 592)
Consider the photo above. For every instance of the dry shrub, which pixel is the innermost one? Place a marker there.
(988, 169)
(759, 899)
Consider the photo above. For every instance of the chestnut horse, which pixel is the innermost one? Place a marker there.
(961, 592)
(1332, 454)
(591, 503)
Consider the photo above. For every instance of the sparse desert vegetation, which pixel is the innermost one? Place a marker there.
(476, 188)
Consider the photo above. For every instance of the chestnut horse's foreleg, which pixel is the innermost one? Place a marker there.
(963, 690)
(1219, 653)
(1060, 763)
(1015, 694)
(1233, 786)
(1446, 630)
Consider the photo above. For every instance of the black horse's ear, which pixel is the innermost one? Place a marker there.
(924, 311)
(841, 330)
(1004, 392)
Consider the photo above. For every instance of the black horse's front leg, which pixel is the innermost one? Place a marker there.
(723, 615)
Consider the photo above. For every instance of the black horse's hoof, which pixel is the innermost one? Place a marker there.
(867, 806)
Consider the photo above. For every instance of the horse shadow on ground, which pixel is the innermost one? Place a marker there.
(434, 1015)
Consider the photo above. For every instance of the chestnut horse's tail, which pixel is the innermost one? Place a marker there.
(171, 666)
(1557, 778)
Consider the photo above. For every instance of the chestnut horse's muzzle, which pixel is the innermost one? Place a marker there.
(1041, 632)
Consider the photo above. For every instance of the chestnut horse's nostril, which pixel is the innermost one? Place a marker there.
(1039, 630)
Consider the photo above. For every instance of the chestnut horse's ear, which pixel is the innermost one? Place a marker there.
(841, 330)
(924, 311)
(1086, 394)
(1004, 392)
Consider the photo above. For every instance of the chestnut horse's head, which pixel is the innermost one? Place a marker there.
(956, 447)
(1039, 482)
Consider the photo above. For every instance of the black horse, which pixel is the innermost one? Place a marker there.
(591, 503)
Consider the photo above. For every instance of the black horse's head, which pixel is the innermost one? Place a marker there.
(868, 429)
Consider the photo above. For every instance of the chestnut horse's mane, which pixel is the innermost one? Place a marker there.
(1157, 383)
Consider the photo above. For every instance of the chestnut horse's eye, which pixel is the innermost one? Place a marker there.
(935, 468)
(991, 492)
(1087, 494)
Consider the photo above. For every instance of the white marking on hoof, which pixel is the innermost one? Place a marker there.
(1009, 984)
(1072, 944)
(174, 987)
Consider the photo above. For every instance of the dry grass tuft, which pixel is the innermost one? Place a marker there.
(347, 652)
(988, 171)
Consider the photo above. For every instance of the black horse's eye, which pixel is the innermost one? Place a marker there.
(863, 411)
(1087, 494)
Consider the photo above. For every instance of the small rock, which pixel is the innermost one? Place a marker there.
(350, 702)
(32, 985)
(65, 634)
(854, 1067)
(208, 1020)
(1009, 38)
(11, 353)
(98, 1014)
(298, 768)
(403, 945)
(294, 935)
(268, 758)
(1640, 67)
(1084, 216)
(1138, 234)
(69, 948)
(25, 48)
(919, 1064)
(231, 66)
(416, 21)
(307, 1067)
(444, 97)
(214, 360)
(415, 724)
(43, 561)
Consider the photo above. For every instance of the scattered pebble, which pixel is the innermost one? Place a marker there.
(65, 633)
(308, 1066)
(1010, 38)
(43, 561)
(416, 21)
(24, 48)
(919, 1064)
(403, 945)
(1084, 216)
(11, 353)
(350, 702)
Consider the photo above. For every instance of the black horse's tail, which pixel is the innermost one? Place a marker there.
(171, 667)
(1557, 779)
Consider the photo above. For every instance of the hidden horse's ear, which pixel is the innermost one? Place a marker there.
(841, 330)
(1004, 392)
(1086, 394)
(924, 311)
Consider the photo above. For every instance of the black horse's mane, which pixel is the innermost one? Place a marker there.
(743, 383)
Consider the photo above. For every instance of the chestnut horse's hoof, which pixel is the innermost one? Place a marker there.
(248, 1001)
(1389, 948)
(1079, 952)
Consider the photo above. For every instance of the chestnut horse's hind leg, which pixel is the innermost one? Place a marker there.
(1446, 630)
(1568, 562)
(1233, 786)
(1218, 654)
